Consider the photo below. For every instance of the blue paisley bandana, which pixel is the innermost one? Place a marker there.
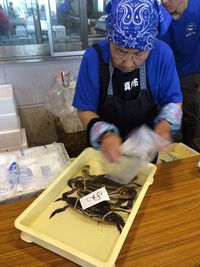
(136, 23)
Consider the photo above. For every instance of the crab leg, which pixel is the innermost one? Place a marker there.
(58, 211)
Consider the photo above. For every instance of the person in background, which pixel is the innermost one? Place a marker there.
(5, 25)
(129, 79)
(42, 12)
(11, 12)
(64, 10)
(183, 36)
(13, 17)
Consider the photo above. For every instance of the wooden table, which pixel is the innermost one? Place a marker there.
(165, 232)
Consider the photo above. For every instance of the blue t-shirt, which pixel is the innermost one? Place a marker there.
(161, 71)
(64, 7)
(183, 36)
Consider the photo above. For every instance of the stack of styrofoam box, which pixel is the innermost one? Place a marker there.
(12, 137)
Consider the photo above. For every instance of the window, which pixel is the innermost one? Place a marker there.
(39, 28)
(100, 5)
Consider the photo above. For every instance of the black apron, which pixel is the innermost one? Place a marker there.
(126, 113)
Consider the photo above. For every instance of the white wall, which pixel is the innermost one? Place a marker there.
(32, 80)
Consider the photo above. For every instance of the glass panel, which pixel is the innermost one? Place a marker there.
(96, 20)
(76, 24)
(23, 22)
(36, 27)
(100, 5)
(66, 25)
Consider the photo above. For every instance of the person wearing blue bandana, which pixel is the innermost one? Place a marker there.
(183, 36)
(129, 79)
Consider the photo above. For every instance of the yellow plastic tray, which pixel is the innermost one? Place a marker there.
(71, 234)
(176, 151)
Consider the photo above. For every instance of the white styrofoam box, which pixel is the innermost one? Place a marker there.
(7, 103)
(11, 138)
(21, 31)
(59, 33)
(9, 122)
(23, 144)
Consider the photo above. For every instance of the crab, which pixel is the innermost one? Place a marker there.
(101, 212)
(118, 193)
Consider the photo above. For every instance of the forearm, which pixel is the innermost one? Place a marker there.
(96, 127)
(172, 114)
(163, 130)
(86, 116)
(102, 135)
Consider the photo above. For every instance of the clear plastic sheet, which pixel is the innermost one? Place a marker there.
(59, 101)
(139, 149)
(143, 143)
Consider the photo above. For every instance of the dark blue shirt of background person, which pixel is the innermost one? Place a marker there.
(64, 8)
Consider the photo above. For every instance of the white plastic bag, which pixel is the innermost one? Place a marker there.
(29, 170)
(9, 174)
(143, 143)
(59, 102)
(5, 185)
(138, 150)
(38, 166)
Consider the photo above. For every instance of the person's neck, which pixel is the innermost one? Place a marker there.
(182, 7)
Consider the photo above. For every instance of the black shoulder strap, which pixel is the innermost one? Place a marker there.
(104, 77)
